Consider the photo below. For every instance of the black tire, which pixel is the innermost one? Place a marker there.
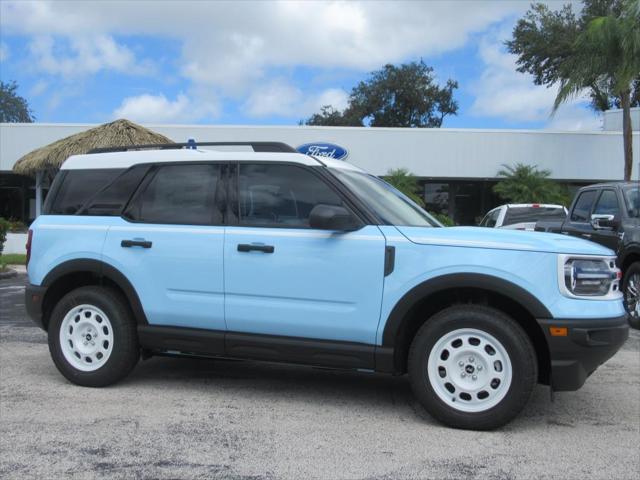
(513, 339)
(634, 318)
(125, 350)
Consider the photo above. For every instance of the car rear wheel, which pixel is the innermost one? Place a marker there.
(92, 337)
(472, 367)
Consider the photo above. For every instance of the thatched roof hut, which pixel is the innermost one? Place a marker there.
(120, 133)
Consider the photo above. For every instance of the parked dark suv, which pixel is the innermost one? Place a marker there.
(609, 214)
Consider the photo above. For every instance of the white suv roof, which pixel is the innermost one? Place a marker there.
(129, 158)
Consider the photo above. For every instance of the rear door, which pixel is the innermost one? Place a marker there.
(170, 245)
(283, 277)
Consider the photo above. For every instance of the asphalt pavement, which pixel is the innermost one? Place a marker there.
(214, 419)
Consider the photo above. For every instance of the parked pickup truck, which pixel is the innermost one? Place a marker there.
(609, 214)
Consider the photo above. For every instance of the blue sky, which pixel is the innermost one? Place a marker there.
(263, 62)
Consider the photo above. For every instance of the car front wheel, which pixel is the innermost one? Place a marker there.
(472, 367)
(92, 337)
(631, 290)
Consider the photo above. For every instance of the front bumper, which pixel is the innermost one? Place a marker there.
(33, 298)
(588, 344)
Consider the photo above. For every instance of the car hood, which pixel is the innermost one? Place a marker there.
(479, 237)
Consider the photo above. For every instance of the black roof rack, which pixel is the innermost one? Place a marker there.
(257, 146)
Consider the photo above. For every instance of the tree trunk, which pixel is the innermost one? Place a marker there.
(627, 134)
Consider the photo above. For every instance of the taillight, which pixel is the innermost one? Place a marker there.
(28, 245)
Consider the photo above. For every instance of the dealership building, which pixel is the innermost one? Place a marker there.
(456, 168)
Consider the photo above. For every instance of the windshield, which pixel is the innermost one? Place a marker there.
(632, 198)
(392, 206)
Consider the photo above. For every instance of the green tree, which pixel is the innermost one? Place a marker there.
(407, 183)
(13, 107)
(526, 184)
(597, 52)
(394, 96)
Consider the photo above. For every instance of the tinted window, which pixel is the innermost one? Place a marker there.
(491, 219)
(179, 194)
(607, 204)
(582, 210)
(280, 195)
(632, 196)
(77, 186)
(532, 214)
(115, 196)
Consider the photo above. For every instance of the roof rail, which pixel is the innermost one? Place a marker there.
(257, 147)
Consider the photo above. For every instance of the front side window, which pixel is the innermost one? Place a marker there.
(582, 210)
(280, 195)
(179, 194)
(607, 204)
(392, 206)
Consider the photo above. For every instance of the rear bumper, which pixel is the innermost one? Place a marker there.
(33, 297)
(588, 344)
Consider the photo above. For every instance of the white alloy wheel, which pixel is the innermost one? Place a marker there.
(86, 338)
(469, 370)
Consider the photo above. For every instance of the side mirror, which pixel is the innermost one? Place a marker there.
(332, 217)
(604, 222)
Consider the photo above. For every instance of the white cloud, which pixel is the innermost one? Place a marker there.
(503, 92)
(576, 116)
(39, 88)
(4, 52)
(160, 109)
(283, 99)
(83, 55)
(230, 45)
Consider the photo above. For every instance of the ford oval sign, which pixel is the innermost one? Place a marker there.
(323, 149)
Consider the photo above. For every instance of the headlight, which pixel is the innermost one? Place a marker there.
(596, 277)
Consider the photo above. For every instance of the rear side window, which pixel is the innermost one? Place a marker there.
(582, 209)
(280, 195)
(179, 194)
(491, 219)
(115, 196)
(77, 186)
(532, 214)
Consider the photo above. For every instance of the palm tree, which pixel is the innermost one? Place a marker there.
(607, 53)
(406, 182)
(526, 184)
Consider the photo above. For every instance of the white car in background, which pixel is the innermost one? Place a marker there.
(522, 216)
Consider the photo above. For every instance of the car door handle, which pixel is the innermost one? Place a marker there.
(248, 247)
(135, 243)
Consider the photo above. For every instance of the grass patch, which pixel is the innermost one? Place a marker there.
(13, 259)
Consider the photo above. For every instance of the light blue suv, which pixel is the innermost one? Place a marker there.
(272, 255)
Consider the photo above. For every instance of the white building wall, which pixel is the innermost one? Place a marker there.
(612, 120)
(439, 153)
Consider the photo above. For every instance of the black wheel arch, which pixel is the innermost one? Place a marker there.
(414, 308)
(85, 271)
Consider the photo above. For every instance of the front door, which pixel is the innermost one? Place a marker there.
(284, 278)
(170, 246)
(607, 204)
